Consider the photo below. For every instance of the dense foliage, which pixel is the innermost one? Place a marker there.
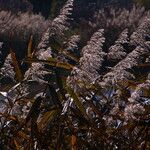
(70, 83)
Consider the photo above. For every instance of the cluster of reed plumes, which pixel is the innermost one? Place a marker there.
(75, 96)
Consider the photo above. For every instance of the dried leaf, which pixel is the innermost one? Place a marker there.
(46, 118)
(71, 56)
(17, 69)
(30, 47)
(16, 144)
(23, 135)
(64, 66)
(52, 62)
(74, 142)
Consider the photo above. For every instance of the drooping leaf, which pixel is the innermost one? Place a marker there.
(46, 118)
(71, 56)
(76, 100)
(35, 110)
(52, 62)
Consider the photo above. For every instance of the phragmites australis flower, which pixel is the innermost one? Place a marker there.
(117, 51)
(91, 60)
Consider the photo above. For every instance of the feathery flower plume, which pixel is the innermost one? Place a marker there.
(140, 36)
(91, 60)
(117, 51)
(120, 71)
(8, 70)
(37, 71)
(135, 107)
(60, 24)
(133, 110)
(57, 27)
(93, 55)
(72, 44)
(139, 91)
